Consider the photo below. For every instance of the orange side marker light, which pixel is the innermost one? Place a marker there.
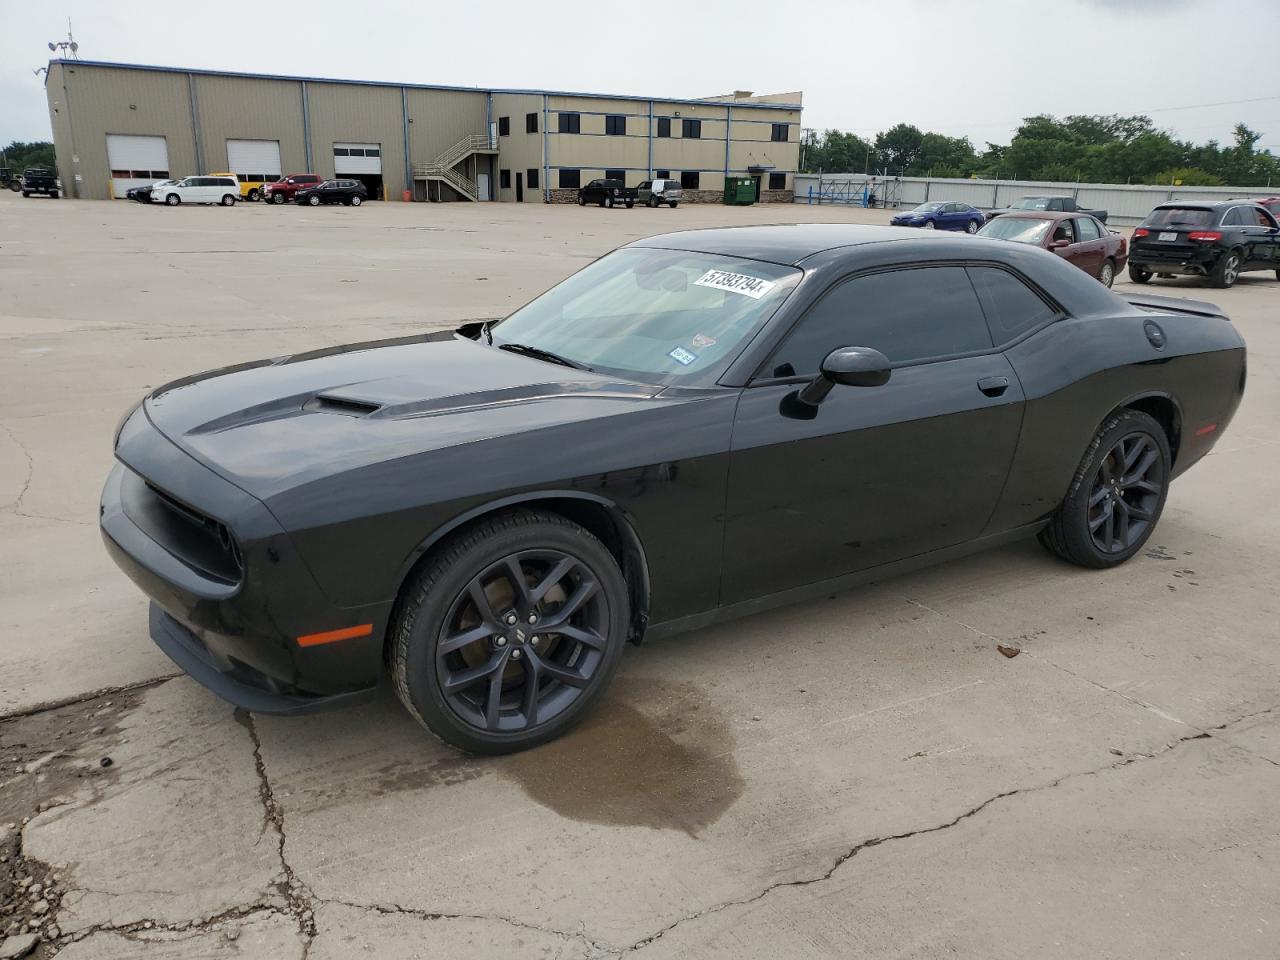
(333, 636)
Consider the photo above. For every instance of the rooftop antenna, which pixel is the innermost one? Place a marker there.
(67, 46)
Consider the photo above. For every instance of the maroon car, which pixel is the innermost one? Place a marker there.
(1078, 237)
(283, 189)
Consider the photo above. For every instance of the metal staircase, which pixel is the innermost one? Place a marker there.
(442, 167)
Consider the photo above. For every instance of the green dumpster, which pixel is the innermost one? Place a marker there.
(740, 190)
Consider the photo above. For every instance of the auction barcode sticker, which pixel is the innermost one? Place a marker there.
(752, 287)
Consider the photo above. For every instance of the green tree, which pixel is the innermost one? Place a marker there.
(19, 155)
(899, 147)
(1187, 176)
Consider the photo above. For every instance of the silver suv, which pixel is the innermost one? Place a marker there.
(652, 193)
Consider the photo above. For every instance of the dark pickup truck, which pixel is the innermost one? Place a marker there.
(607, 193)
(39, 180)
(1051, 204)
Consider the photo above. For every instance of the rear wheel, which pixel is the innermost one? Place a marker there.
(673, 204)
(53, 194)
(630, 204)
(1107, 275)
(510, 632)
(608, 202)
(972, 227)
(651, 202)
(1139, 274)
(582, 201)
(228, 200)
(1226, 271)
(252, 196)
(26, 193)
(1117, 494)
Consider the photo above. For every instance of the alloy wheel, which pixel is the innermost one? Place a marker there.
(522, 641)
(1126, 492)
(1108, 274)
(1232, 269)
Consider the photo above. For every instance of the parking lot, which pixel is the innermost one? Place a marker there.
(869, 776)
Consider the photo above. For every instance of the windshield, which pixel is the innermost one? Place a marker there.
(1032, 203)
(1179, 217)
(1018, 229)
(927, 208)
(659, 316)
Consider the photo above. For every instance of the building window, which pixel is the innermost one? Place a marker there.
(570, 179)
(616, 175)
(341, 152)
(615, 125)
(504, 126)
(531, 176)
(664, 126)
(781, 133)
(777, 181)
(504, 179)
(570, 123)
(530, 123)
(691, 129)
(689, 179)
(662, 174)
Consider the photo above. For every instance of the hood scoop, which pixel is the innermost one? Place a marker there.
(343, 406)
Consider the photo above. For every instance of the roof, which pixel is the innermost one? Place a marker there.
(1041, 214)
(788, 243)
(762, 105)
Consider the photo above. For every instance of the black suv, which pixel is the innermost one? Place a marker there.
(351, 192)
(1214, 240)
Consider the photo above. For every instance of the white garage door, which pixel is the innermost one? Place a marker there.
(357, 158)
(254, 159)
(136, 161)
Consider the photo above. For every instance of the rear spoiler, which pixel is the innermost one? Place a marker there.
(1198, 308)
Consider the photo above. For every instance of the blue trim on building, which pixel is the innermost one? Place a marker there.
(414, 86)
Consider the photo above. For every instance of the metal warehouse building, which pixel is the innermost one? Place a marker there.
(119, 125)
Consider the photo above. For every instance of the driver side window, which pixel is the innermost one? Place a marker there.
(908, 315)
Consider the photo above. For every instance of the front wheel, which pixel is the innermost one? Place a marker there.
(228, 200)
(313, 200)
(1107, 275)
(1117, 494)
(173, 200)
(928, 225)
(26, 193)
(630, 204)
(53, 194)
(672, 204)
(971, 227)
(1139, 275)
(510, 632)
(1226, 271)
(356, 201)
(652, 202)
(277, 198)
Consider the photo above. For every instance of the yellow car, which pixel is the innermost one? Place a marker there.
(250, 186)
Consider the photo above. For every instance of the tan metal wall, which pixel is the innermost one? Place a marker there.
(519, 152)
(60, 118)
(359, 114)
(440, 118)
(105, 100)
(238, 108)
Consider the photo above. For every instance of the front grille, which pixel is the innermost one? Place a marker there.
(201, 542)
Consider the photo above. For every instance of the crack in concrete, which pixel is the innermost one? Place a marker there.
(300, 903)
(136, 930)
(599, 946)
(31, 467)
(85, 697)
(971, 812)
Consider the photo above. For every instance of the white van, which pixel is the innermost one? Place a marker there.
(223, 190)
(653, 193)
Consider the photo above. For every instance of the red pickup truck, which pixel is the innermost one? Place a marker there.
(283, 189)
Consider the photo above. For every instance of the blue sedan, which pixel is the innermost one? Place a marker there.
(942, 215)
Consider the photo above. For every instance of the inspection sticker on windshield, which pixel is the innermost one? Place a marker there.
(682, 356)
(752, 287)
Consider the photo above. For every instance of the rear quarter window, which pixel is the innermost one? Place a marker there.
(1012, 308)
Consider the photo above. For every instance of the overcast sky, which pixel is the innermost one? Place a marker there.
(961, 67)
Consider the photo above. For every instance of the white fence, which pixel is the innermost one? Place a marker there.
(1123, 202)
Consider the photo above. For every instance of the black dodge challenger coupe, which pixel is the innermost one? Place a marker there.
(694, 427)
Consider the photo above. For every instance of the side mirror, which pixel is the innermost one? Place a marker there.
(1059, 244)
(850, 367)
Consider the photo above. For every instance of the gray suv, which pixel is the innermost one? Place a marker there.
(652, 193)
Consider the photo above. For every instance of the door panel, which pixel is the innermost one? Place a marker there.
(878, 474)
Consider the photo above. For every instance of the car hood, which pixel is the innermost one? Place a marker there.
(275, 424)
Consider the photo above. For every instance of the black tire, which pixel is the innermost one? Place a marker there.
(652, 202)
(252, 196)
(582, 201)
(357, 200)
(436, 598)
(53, 194)
(228, 200)
(26, 193)
(1073, 534)
(1139, 274)
(972, 227)
(1226, 271)
(277, 197)
(673, 204)
(1107, 273)
(630, 204)
(172, 200)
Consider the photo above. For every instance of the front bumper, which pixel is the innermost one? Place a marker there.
(230, 594)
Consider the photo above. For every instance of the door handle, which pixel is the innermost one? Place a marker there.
(993, 386)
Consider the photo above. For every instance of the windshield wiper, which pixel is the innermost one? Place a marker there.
(539, 354)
